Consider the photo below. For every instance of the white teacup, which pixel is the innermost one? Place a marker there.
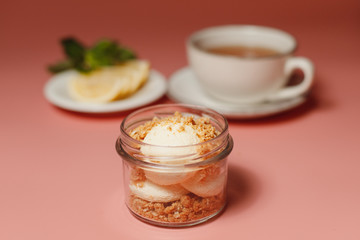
(239, 78)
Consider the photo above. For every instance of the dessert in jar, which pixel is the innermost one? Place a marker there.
(175, 163)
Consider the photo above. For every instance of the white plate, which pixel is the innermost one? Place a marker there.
(184, 88)
(56, 92)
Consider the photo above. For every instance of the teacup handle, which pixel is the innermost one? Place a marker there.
(305, 65)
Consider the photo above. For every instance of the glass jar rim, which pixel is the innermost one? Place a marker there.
(223, 132)
(224, 136)
(223, 154)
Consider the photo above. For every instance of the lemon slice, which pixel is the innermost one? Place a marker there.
(110, 83)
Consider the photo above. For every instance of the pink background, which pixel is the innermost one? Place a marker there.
(292, 176)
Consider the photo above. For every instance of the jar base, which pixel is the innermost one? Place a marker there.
(177, 224)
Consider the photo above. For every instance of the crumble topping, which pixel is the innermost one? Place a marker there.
(202, 126)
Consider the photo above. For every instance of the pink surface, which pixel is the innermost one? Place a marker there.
(292, 176)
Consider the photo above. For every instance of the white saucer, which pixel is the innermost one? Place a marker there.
(184, 88)
(55, 91)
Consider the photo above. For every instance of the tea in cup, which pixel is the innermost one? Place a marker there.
(247, 64)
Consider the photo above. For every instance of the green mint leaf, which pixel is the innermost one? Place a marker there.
(125, 54)
(73, 49)
(103, 53)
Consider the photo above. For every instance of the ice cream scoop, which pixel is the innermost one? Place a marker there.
(205, 186)
(152, 192)
(168, 138)
(167, 177)
(170, 135)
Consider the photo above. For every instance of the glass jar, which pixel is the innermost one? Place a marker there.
(184, 187)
